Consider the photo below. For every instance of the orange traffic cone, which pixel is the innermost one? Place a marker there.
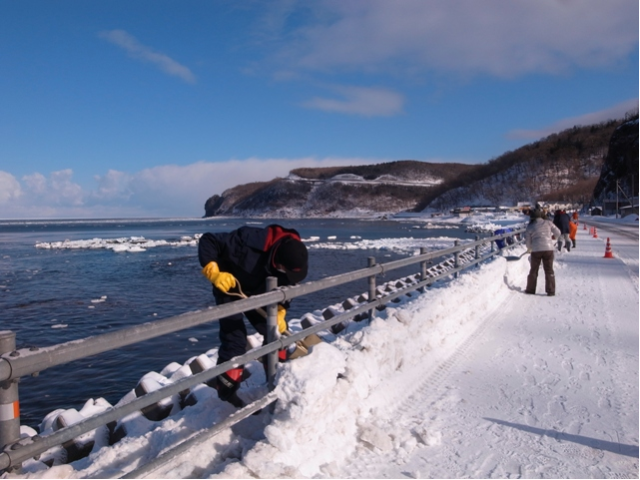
(595, 232)
(607, 251)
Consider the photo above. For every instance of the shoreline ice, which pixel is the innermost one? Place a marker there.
(485, 223)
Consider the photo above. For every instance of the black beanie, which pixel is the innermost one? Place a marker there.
(292, 255)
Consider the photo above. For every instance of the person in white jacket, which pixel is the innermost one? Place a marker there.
(539, 237)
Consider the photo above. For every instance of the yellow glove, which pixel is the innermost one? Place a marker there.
(282, 323)
(223, 281)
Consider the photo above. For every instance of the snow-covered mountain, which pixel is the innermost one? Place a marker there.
(561, 167)
(345, 191)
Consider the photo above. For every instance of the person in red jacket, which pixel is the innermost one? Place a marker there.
(241, 261)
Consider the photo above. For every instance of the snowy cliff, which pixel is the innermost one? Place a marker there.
(561, 167)
(326, 192)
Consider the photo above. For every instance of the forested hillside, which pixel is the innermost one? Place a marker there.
(563, 167)
(620, 170)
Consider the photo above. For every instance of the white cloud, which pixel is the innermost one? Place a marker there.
(613, 113)
(503, 38)
(9, 188)
(37, 196)
(64, 189)
(58, 189)
(365, 101)
(112, 186)
(35, 183)
(139, 51)
(184, 189)
(162, 191)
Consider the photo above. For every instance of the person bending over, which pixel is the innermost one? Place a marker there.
(240, 262)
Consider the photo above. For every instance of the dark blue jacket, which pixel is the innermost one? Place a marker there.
(246, 253)
(561, 220)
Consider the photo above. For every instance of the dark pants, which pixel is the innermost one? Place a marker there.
(546, 258)
(233, 331)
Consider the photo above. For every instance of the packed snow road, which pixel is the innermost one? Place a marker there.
(547, 387)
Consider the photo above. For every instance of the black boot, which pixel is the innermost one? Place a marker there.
(227, 384)
(234, 400)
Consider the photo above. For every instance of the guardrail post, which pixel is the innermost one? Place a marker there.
(372, 288)
(456, 256)
(423, 265)
(477, 256)
(272, 334)
(9, 400)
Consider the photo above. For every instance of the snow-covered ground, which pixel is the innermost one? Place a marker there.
(350, 178)
(471, 379)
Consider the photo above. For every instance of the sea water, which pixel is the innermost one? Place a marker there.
(67, 280)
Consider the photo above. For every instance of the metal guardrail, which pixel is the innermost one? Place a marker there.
(17, 363)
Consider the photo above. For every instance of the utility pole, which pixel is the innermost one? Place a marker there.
(617, 190)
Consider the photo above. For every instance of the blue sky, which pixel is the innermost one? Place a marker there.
(147, 108)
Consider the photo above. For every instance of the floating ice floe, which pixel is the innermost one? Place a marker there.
(406, 245)
(435, 226)
(489, 228)
(123, 244)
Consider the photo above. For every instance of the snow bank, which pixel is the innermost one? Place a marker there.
(331, 400)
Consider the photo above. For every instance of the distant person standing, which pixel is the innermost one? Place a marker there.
(539, 238)
(573, 230)
(561, 220)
